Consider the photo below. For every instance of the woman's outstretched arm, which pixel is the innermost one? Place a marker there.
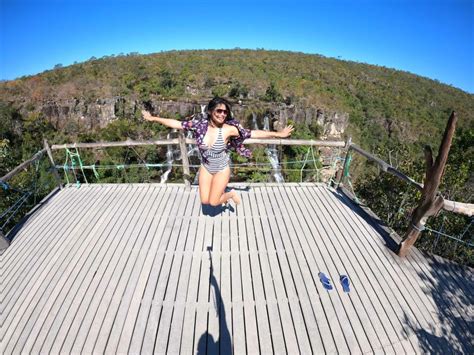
(285, 132)
(168, 122)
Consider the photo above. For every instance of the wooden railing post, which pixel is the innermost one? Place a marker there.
(430, 202)
(55, 171)
(346, 162)
(184, 156)
(4, 242)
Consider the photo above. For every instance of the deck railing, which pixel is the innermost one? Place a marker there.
(181, 141)
(451, 206)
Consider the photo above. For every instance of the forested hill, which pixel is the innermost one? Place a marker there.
(382, 103)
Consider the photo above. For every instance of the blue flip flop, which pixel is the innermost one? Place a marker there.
(345, 283)
(325, 281)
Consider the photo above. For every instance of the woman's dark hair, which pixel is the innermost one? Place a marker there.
(217, 101)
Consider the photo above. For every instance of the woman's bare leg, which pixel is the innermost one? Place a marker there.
(205, 180)
(217, 196)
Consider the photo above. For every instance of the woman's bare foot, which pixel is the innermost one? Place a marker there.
(235, 197)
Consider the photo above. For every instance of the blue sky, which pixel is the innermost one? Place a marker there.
(432, 38)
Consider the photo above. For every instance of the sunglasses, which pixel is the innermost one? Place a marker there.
(221, 111)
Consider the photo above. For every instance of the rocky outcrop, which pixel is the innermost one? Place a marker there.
(99, 113)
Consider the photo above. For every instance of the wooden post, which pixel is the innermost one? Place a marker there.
(430, 202)
(4, 242)
(55, 171)
(346, 161)
(184, 156)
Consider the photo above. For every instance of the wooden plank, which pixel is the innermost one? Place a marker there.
(120, 304)
(281, 274)
(28, 290)
(187, 339)
(275, 324)
(11, 258)
(36, 244)
(260, 308)
(345, 259)
(103, 268)
(215, 296)
(177, 238)
(60, 320)
(365, 296)
(251, 327)
(290, 270)
(204, 307)
(24, 307)
(353, 306)
(418, 259)
(175, 294)
(342, 334)
(133, 332)
(381, 285)
(380, 275)
(127, 315)
(412, 270)
(310, 269)
(62, 304)
(238, 325)
(68, 269)
(456, 303)
(225, 283)
(118, 274)
(268, 251)
(418, 305)
(170, 233)
(317, 326)
(177, 324)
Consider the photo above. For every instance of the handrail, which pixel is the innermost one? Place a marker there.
(23, 165)
(172, 141)
(181, 141)
(386, 167)
(451, 206)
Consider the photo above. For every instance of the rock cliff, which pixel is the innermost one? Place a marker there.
(99, 113)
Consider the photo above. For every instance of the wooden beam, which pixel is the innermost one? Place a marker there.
(459, 207)
(451, 206)
(53, 165)
(23, 166)
(430, 202)
(4, 242)
(127, 143)
(184, 157)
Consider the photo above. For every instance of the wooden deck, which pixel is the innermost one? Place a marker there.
(143, 268)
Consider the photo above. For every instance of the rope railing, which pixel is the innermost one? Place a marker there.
(17, 200)
(452, 206)
(74, 163)
(449, 206)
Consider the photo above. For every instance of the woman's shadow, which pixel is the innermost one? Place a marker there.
(209, 210)
(206, 343)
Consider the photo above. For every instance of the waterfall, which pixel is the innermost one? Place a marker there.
(169, 160)
(172, 153)
(254, 121)
(272, 154)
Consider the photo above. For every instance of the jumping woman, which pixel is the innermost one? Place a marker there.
(216, 132)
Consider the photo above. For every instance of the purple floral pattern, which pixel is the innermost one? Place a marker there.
(198, 125)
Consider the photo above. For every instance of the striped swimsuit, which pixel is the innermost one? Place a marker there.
(217, 156)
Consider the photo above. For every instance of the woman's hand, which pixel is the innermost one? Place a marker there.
(147, 115)
(285, 132)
